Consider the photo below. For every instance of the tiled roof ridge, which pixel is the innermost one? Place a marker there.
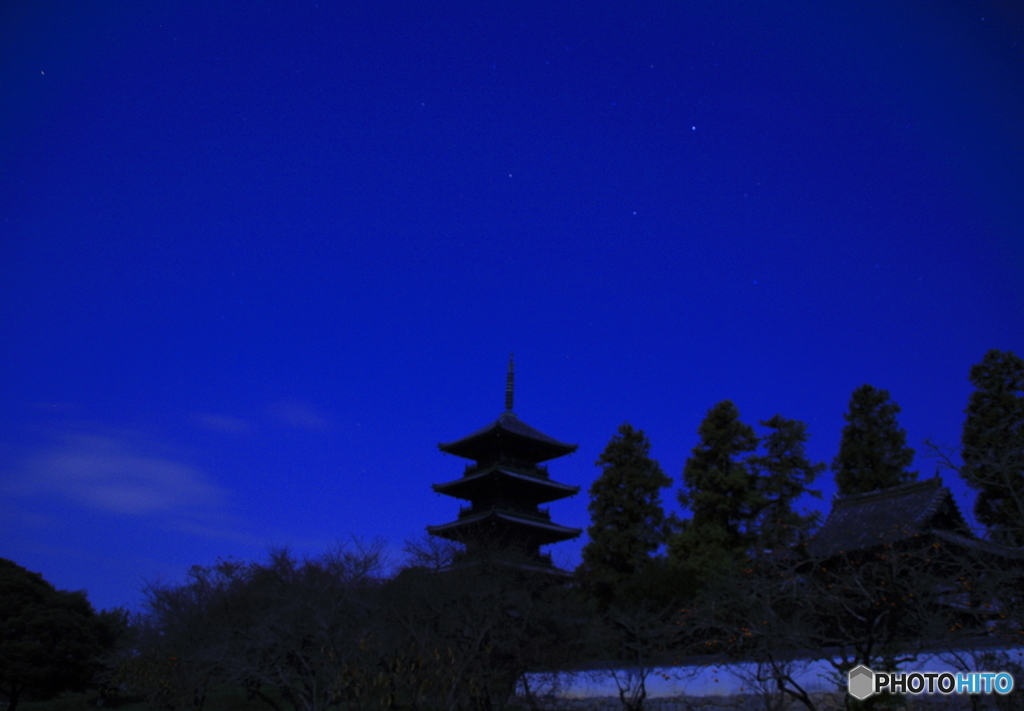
(942, 493)
(892, 492)
(510, 423)
(981, 544)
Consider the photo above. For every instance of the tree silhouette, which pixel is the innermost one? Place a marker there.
(463, 637)
(993, 445)
(784, 474)
(628, 523)
(873, 451)
(722, 492)
(288, 631)
(50, 639)
(881, 606)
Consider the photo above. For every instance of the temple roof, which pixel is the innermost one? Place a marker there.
(544, 567)
(866, 520)
(542, 531)
(509, 436)
(535, 489)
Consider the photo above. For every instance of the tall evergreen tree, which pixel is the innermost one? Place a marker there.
(784, 474)
(993, 445)
(628, 522)
(721, 491)
(873, 451)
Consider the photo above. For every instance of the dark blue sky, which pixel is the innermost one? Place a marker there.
(258, 258)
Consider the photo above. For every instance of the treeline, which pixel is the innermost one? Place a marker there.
(736, 582)
(741, 486)
(331, 631)
(741, 578)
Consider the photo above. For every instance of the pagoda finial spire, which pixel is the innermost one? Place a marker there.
(509, 383)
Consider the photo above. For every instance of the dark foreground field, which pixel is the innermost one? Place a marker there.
(232, 699)
(224, 698)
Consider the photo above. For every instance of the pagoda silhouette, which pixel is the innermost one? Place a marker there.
(505, 486)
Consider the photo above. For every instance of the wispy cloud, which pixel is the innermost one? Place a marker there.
(299, 415)
(116, 473)
(222, 423)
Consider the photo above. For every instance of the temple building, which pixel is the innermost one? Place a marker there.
(505, 485)
(921, 511)
(860, 522)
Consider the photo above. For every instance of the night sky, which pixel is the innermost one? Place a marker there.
(258, 258)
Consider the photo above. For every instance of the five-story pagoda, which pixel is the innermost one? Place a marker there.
(505, 485)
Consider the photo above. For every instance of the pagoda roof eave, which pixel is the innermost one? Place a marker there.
(508, 429)
(518, 565)
(555, 531)
(551, 490)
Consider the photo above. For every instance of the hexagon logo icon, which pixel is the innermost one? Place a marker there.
(861, 682)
